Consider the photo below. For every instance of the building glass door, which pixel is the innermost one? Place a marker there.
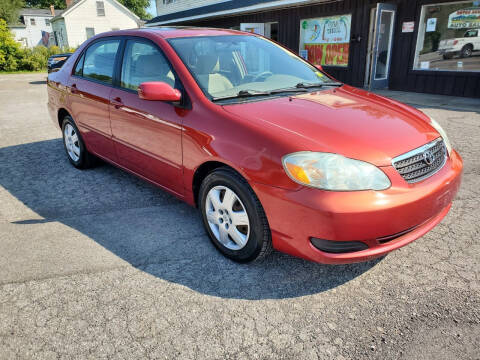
(382, 40)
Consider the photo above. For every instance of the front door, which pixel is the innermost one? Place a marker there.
(147, 134)
(384, 21)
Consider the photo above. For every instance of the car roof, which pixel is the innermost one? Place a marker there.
(168, 32)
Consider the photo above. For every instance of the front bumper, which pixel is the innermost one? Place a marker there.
(384, 220)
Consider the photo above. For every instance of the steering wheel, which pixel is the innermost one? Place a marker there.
(263, 74)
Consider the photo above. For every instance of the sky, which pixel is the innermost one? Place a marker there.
(152, 9)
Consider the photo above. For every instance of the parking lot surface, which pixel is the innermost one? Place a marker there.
(99, 264)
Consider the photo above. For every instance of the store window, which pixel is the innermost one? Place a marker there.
(326, 40)
(449, 37)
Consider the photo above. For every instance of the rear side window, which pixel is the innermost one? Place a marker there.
(100, 60)
(143, 62)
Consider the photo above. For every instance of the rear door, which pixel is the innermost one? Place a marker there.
(147, 134)
(90, 87)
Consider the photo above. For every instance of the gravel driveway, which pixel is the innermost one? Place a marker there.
(99, 264)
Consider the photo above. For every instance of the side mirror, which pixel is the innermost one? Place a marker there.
(319, 67)
(160, 91)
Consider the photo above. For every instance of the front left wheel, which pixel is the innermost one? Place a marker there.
(234, 217)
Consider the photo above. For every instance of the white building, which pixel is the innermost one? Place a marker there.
(34, 27)
(85, 18)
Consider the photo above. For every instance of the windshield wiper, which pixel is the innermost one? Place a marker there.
(312, 85)
(243, 93)
(293, 89)
(251, 93)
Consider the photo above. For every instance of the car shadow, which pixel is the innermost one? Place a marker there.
(150, 229)
(38, 82)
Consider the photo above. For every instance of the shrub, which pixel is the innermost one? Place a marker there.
(10, 50)
(14, 58)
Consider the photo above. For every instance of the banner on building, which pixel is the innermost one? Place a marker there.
(464, 19)
(326, 40)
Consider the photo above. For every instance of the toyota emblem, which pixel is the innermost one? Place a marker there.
(428, 157)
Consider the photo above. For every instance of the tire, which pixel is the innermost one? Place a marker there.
(225, 221)
(74, 146)
(466, 51)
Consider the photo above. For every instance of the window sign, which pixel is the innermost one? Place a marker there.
(326, 40)
(431, 24)
(449, 37)
(408, 27)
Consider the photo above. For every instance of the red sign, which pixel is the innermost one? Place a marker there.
(328, 54)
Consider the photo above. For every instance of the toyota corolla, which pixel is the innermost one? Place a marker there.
(273, 151)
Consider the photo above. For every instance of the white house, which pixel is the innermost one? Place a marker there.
(83, 19)
(34, 26)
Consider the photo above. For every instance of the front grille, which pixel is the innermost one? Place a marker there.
(422, 162)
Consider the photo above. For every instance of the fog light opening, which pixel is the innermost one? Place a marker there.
(338, 247)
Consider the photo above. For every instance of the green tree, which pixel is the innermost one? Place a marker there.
(45, 4)
(10, 50)
(9, 10)
(137, 7)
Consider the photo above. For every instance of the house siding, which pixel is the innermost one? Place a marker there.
(32, 33)
(181, 5)
(85, 16)
(60, 31)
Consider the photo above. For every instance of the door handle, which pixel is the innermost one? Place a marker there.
(74, 89)
(117, 102)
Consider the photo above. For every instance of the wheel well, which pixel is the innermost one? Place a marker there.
(61, 115)
(202, 172)
(468, 45)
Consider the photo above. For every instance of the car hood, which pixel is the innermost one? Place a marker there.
(346, 120)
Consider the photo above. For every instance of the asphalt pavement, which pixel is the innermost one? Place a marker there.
(99, 264)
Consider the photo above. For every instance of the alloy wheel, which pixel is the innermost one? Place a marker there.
(227, 217)
(71, 142)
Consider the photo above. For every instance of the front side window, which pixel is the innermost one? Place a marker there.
(448, 37)
(226, 65)
(142, 62)
(100, 60)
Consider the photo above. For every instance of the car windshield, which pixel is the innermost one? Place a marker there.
(238, 65)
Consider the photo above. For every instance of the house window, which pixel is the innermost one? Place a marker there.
(166, 2)
(32, 21)
(448, 37)
(90, 32)
(100, 8)
(47, 22)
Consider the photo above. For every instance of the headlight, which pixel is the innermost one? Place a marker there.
(443, 134)
(334, 172)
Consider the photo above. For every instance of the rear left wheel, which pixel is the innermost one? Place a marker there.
(75, 148)
(466, 51)
(233, 216)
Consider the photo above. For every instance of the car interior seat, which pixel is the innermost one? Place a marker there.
(207, 69)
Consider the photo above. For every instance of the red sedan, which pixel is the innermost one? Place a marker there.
(274, 152)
